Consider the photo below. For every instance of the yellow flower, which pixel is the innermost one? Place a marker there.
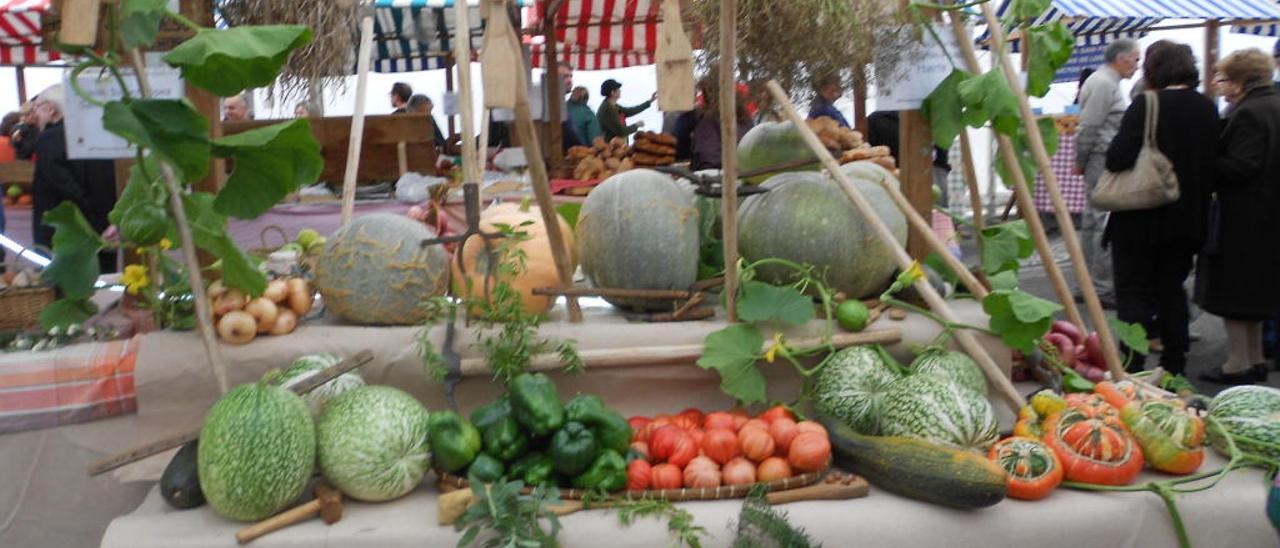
(774, 348)
(135, 278)
(165, 243)
(912, 274)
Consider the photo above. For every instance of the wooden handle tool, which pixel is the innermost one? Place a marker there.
(328, 504)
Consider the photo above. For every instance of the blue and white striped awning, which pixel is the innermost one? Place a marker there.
(1271, 28)
(413, 35)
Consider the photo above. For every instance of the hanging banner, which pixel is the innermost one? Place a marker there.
(86, 138)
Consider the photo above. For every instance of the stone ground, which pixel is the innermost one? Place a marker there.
(1208, 352)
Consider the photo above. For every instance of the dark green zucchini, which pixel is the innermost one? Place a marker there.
(180, 483)
(918, 469)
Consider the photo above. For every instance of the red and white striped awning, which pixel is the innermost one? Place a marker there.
(20, 33)
(599, 34)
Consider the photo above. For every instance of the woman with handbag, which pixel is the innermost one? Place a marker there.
(1239, 269)
(1152, 247)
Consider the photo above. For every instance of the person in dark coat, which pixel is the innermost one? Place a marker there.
(612, 115)
(1238, 274)
(699, 129)
(24, 134)
(1152, 250)
(89, 184)
(882, 130)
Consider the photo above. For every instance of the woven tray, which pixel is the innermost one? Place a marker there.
(449, 482)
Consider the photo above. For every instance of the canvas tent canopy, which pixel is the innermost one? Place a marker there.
(413, 35)
(20, 39)
(1095, 23)
(598, 34)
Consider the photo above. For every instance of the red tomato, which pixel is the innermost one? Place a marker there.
(697, 434)
(644, 433)
(639, 475)
(686, 422)
(642, 448)
(684, 451)
(783, 431)
(738, 471)
(638, 422)
(663, 441)
(666, 476)
(755, 423)
(809, 452)
(720, 419)
(777, 412)
(721, 445)
(702, 476)
(694, 413)
(756, 443)
(810, 426)
(773, 468)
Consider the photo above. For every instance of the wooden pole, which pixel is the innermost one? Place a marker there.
(860, 99)
(1211, 44)
(935, 301)
(555, 97)
(448, 88)
(729, 152)
(1069, 236)
(356, 138)
(204, 316)
(20, 73)
(1021, 191)
(915, 169)
(932, 241)
(472, 172)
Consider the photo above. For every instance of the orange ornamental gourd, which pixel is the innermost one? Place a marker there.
(539, 263)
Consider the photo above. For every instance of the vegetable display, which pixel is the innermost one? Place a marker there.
(1251, 415)
(239, 319)
(1031, 468)
(1093, 444)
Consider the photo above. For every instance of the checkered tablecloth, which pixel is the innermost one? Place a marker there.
(76, 383)
(1073, 187)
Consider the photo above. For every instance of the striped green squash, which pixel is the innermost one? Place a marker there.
(851, 386)
(1252, 412)
(372, 443)
(952, 365)
(309, 365)
(256, 451)
(938, 410)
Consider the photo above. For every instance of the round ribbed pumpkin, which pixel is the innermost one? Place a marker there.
(371, 443)
(639, 230)
(374, 271)
(771, 144)
(807, 218)
(950, 365)
(851, 388)
(539, 263)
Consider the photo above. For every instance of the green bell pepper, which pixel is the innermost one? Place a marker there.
(484, 416)
(573, 449)
(454, 442)
(504, 440)
(485, 469)
(536, 404)
(534, 469)
(611, 429)
(608, 473)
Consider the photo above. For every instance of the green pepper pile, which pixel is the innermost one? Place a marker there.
(527, 434)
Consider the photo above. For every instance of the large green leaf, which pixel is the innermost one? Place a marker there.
(75, 252)
(732, 352)
(140, 21)
(987, 98)
(1005, 245)
(270, 162)
(762, 302)
(209, 230)
(1019, 317)
(172, 128)
(945, 110)
(66, 311)
(228, 61)
(1051, 46)
(1132, 335)
(143, 187)
(1028, 9)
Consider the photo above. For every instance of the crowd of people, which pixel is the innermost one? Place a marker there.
(1219, 226)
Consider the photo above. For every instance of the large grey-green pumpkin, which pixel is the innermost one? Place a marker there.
(372, 443)
(257, 451)
(639, 230)
(806, 218)
(375, 272)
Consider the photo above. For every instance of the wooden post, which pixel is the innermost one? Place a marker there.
(20, 74)
(1055, 194)
(1021, 191)
(472, 171)
(555, 96)
(729, 152)
(1211, 45)
(448, 87)
(356, 137)
(933, 243)
(966, 340)
(915, 168)
(860, 99)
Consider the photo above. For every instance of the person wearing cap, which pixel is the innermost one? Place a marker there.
(612, 116)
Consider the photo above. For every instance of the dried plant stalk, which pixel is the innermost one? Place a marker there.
(326, 60)
(800, 42)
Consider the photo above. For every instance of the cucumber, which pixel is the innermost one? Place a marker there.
(918, 469)
(180, 483)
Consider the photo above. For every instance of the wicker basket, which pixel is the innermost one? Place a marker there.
(20, 307)
(450, 482)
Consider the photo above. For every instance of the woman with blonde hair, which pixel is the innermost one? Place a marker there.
(1236, 276)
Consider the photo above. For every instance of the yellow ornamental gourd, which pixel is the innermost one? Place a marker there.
(539, 263)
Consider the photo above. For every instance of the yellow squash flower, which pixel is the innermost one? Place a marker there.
(135, 278)
(774, 348)
(165, 243)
